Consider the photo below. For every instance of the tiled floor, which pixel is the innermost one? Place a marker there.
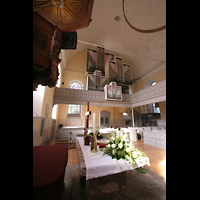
(157, 157)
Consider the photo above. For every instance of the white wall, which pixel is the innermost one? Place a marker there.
(161, 122)
(37, 123)
(38, 100)
(47, 130)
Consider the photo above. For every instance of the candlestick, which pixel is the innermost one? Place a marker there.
(93, 143)
(94, 123)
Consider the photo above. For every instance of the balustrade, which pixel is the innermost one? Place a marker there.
(148, 95)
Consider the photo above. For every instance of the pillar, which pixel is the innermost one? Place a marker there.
(99, 117)
(133, 116)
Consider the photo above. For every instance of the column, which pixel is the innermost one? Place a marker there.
(99, 117)
(133, 116)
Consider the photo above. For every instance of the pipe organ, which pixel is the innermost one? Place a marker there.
(104, 67)
(96, 81)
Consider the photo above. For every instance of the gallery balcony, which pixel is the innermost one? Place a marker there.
(152, 94)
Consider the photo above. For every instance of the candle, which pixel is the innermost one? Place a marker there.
(94, 122)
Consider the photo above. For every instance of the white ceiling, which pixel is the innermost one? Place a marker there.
(144, 51)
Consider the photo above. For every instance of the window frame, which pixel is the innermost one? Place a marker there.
(80, 87)
(74, 114)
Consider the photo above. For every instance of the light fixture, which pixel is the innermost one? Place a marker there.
(117, 18)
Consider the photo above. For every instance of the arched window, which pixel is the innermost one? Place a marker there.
(72, 109)
(76, 84)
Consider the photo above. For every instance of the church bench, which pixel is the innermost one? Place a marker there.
(49, 164)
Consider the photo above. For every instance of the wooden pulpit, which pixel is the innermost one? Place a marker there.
(46, 49)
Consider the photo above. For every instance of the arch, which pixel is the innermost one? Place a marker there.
(76, 81)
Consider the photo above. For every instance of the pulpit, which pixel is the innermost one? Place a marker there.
(46, 49)
(53, 32)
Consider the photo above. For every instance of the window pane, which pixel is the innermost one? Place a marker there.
(79, 109)
(107, 120)
(74, 109)
(75, 85)
(102, 120)
(69, 109)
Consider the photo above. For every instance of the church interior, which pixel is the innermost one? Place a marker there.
(99, 65)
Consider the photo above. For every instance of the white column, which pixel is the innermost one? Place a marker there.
(94, 122)
(99, 117)
(133, 117)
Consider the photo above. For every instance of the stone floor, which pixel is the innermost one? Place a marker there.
(148, 186)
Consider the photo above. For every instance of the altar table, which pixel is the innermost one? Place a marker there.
(98, 165)
(103, 175)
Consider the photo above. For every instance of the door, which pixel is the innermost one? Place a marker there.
(105, 118)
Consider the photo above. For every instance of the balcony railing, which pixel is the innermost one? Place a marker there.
(151, 91)
(148, 95)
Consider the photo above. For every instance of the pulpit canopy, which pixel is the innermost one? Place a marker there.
(73, 14)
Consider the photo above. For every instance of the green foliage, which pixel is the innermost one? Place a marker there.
(98, 134)
(141, 170)
(119, 147)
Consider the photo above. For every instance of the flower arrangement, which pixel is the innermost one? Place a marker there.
(119, 147)
(97, 133)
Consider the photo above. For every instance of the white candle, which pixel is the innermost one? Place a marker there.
(94, 122)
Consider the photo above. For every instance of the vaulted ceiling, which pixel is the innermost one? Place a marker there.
(144, 51)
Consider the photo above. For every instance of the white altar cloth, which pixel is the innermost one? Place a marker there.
(98, 165)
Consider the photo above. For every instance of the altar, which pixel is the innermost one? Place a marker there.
(71, 132)
(103, 175)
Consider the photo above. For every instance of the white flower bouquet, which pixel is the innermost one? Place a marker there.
(119, 147)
